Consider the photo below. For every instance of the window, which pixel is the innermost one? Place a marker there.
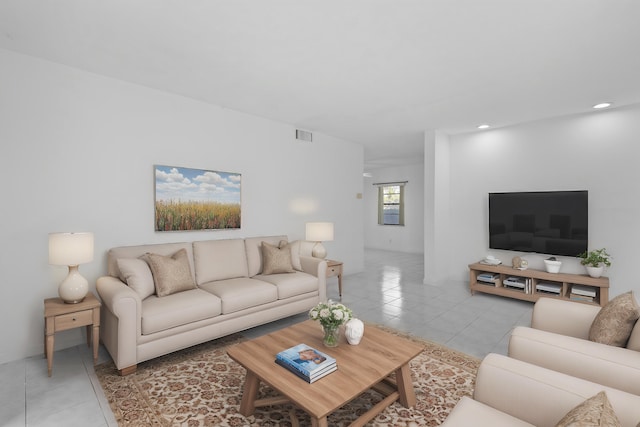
(391, 203)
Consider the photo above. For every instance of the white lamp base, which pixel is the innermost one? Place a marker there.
(319, 251)
(74, 287)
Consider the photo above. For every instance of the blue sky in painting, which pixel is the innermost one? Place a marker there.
(187, 185)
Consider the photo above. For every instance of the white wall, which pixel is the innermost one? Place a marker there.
(597, 152)
(436, 207)
(77, 155)
(407, 238)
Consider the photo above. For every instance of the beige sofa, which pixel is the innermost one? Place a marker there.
(558, 340)
(231, 294)
(513, 393)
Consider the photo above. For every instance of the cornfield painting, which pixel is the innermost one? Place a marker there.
(195, 199)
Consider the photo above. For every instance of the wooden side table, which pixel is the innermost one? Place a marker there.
(334, 268)
(60, 316)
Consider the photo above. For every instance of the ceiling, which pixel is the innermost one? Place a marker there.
(373, 72)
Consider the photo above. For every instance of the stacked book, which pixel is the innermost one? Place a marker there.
(549, 288)
(520, 283)
(306, 362)
(488, 279)
(583, 293)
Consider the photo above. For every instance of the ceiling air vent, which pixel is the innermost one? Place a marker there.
(303, 135)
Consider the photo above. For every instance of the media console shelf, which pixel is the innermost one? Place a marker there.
(533, 284)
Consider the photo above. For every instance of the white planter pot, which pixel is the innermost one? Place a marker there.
(595, 271)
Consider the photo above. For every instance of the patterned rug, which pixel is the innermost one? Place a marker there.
(202, 386)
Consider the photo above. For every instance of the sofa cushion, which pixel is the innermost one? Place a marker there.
(219, 260)
(178, 309)
(170, 274)
(240, 293)
(253, 247)
(137, 275)
(290, 285)
(593, 412)
(276, 259)
(615, 321)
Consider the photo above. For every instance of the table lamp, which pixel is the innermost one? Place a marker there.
(319, 232)
(71, 249)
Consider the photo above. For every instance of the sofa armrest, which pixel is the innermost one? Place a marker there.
(312, 266)
(122, 320)
(112, 290)
(469, 412)
(615, 367)
(541, 396)
(318, 268)
(563, 317)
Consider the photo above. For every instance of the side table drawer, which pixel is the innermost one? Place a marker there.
(74, 320)
(334, 271)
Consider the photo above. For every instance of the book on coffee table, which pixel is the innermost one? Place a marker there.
(306, 362)
(308, 379)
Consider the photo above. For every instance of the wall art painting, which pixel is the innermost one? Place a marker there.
(195, 199)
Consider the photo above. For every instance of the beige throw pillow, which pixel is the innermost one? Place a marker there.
(615, 321)
(171, 274)
(276, 259)
(593, 412)
(136, 274)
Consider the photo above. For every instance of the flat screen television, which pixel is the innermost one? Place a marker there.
(546, 222)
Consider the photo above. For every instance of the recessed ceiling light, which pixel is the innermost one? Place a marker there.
(485, 126)
(602, 105)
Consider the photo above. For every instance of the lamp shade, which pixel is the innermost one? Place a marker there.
(319, 231)
(70, 248)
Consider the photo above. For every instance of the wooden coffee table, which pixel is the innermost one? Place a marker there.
(362, 367)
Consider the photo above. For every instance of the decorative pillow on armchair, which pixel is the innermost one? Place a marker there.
(170, 274)
(276, 259)
(615, 321)
(593, 412)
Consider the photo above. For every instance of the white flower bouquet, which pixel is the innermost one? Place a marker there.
(330, 314)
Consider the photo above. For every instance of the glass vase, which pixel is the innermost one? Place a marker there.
(331, 335)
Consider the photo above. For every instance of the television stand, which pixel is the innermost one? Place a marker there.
(537, 283)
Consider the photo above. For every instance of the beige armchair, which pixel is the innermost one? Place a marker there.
(512, 393)
(558, 339)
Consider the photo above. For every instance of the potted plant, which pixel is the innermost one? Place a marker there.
(595, 261)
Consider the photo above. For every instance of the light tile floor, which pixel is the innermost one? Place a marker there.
(389, 292)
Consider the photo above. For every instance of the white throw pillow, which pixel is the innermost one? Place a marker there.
(137, 275)
(295, 255)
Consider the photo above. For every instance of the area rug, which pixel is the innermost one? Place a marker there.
(202, 386)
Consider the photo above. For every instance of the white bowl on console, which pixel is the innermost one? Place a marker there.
(552, 266)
